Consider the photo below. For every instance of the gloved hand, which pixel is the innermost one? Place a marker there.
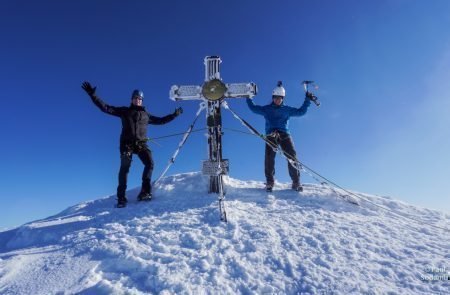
(178, 111)
(310, 96)
(88, 88)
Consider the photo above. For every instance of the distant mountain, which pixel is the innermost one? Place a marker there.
(279, 243)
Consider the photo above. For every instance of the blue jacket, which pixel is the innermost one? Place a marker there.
(277, 117)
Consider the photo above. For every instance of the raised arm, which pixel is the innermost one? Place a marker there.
(166, 119)
(111, 110)
(297, 112)
(255, 108)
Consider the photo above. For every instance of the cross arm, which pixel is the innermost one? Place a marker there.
(196, 92)
(246, 90)
(188, 92)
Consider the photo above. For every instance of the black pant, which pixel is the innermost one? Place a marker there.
(126, 156)
(283, 140)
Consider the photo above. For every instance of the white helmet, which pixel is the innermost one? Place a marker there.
(279, 90)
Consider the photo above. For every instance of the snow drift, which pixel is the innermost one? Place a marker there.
(284, 242)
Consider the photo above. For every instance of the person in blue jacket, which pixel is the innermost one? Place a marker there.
(277, 116)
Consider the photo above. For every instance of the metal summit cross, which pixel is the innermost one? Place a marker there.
(212, 94)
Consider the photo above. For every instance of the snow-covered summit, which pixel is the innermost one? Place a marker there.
(283, 242)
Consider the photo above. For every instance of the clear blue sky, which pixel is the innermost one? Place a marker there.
(383, 127)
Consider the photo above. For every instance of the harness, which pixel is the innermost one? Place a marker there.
(129, 148)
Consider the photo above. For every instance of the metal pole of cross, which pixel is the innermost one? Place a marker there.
(213, 92)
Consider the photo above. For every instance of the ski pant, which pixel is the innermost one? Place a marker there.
(283, 140)
(126, 156)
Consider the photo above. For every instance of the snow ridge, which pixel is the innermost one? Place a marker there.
(283, 242)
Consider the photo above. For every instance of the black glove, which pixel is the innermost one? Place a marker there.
(178, 111)
(88, 88)
(310, 96)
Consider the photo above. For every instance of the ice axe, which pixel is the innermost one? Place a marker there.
(309, 94)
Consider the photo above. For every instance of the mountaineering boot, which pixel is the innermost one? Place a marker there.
(269, 187)
(122, 202)
(144, 196)
(121, 196)
(297, 187)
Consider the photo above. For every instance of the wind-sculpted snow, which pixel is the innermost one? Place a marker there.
(278, 243)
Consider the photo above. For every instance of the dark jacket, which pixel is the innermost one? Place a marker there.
(134, 120)
(277, 117)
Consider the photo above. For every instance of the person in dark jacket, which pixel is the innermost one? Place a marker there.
(277, 116)
(133, 139)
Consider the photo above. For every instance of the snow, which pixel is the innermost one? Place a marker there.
(278, 243)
